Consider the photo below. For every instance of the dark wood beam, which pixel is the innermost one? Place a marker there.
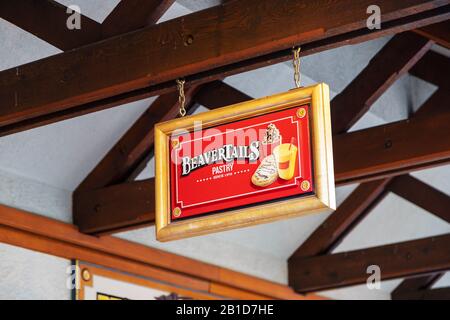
(436, 104)
(131, 15)
(109, 69)
(218, 94)
(418, 283)
(410, 258)
(46, 19)
(386, 151)
(391, 149)
(415, 284)
(389, 64)
(430, 294)
(96, 201)
(135, 144)
(434, 202)
(211, 100)
(439, 33)
(212, 95)
(341, 222)
(119, 207)
(422, 195)
(432, 106)
(329, 234)
(127, 159)
(66, 114)
(426, 68)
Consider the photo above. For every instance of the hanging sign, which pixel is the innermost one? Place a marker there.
(245, 164)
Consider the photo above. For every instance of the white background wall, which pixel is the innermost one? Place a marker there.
(26, 274)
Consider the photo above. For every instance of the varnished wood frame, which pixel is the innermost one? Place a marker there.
(30, 231)
(322, 152)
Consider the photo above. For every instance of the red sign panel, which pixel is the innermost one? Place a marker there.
(243, 163)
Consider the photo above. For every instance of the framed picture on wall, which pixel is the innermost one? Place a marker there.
(98, 283)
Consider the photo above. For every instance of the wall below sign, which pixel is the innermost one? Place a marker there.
(30, 275)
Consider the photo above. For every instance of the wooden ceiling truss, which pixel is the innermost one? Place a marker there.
(111, 60)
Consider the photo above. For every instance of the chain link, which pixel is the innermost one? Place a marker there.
(181, 97)
(296, 63)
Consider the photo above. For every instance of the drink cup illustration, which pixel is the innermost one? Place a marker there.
(286, 156)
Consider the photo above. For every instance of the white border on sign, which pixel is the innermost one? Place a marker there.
(248, 193)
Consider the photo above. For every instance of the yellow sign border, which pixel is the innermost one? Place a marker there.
(322, 152)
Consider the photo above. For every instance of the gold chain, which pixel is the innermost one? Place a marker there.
(181, 97)
(296, 63)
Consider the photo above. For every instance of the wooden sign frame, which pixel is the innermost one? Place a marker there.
(322, 199)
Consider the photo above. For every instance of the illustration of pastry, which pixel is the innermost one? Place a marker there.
(272, 134)
(271, 139)
(267, 172)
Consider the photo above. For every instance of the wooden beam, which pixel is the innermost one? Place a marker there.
(435, 105)
(211, 95)
(426, 69)
(389, 64)
(116, 208)
(46, 19)
(410, 258)
(66, 114)
(391, 149)
(329, 234)
(110, 69)
(432, 106)
(415, 284)
(218, 94)
(439, 33)
(135, 144)
(60, 239)
(434, 202)
(422, 195)
(419, 283)
(356, 206)
(211, 100)
(126, 159)
(132, 15)
(430, 294)
(102, 202)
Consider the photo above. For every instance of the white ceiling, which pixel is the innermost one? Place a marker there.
(62, 154)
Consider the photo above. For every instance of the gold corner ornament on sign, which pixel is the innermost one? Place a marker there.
(245, 164)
